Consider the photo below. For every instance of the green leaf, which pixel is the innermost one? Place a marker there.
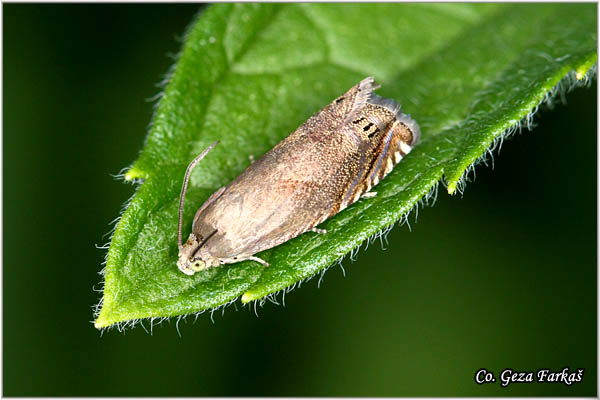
(249, 74)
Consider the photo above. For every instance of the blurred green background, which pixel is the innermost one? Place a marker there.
(503, 277)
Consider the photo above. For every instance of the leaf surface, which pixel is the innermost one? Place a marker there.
(249, 74)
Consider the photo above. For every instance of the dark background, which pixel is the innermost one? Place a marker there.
(503, 277)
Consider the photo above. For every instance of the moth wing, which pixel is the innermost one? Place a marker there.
(318, 170)
(213, 197)
(278, 197)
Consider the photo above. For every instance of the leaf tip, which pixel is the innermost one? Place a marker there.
(100, 323)
(584, 68)
(103, 319)
(134, 173)
(451, 187)
(248, 297)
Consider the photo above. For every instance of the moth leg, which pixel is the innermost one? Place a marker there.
(368, 195)
(317, 230)
(238, 259)
(260, 260)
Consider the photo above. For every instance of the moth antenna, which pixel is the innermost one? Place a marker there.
(186, 179)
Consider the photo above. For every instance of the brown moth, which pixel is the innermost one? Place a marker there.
(328, 163)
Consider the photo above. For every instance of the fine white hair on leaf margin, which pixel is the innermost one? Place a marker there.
(322, 273)
(138, 181)
(431, 197)
(162, 84)
(102, 272)
(381, 235)
(272, 297)
(568, 83)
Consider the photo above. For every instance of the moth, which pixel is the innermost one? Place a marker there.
(331, 161)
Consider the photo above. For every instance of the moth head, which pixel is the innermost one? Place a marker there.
(190, 261)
